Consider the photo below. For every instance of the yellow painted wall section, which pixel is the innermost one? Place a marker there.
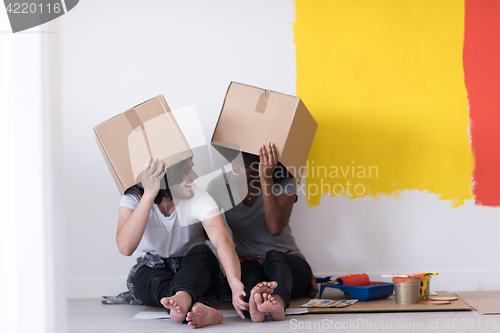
(384, 80)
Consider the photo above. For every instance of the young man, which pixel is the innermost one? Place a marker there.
(176, 269)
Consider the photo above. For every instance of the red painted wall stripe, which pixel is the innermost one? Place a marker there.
(482, 80)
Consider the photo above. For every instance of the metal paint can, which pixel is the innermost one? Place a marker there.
(407, 290)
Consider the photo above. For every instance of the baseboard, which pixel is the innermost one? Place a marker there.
(95, 287)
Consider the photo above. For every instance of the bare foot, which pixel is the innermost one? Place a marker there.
(178, 305)
(202, 315)
(272, 304)
(266, 287)
(255, 314)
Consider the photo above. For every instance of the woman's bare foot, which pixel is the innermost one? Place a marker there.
(178, 305)
(272, 304)
(202, 315)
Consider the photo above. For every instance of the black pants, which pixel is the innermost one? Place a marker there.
(292, 273)
(197, 275)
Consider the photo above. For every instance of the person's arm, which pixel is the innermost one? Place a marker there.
(220, 237)
(277, 208)
(132, 222)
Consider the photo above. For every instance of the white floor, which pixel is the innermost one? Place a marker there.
(91, 316)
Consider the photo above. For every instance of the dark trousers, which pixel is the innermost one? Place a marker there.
(291, 272)
(197, 275)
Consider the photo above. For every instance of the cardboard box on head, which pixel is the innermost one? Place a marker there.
(148, 130)
(251, 117)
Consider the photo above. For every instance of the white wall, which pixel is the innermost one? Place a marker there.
(32, 275)
(115, 54)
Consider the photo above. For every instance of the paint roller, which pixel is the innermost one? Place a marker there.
(353, 280)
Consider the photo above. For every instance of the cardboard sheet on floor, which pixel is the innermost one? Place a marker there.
(484, 302)
(383, 305)
(380, 305)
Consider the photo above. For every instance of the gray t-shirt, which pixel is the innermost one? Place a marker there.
(248, 224)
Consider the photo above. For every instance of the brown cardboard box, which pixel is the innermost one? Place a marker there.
(147, 130)
(252, 116)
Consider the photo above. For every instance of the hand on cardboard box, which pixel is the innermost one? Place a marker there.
(268, 160)
(151, 177)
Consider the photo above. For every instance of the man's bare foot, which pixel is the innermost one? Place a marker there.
(255, 314)
(263, 287)
(266, 287)
(202, 315)
(178, 305)
(272, 304)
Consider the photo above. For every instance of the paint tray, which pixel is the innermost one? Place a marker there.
(373, 290)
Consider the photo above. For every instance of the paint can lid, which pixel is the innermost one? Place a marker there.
(437, 302)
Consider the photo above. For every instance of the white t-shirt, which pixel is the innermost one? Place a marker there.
(165, 235)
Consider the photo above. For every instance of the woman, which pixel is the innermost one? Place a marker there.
(260, 230)
(175, 268)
